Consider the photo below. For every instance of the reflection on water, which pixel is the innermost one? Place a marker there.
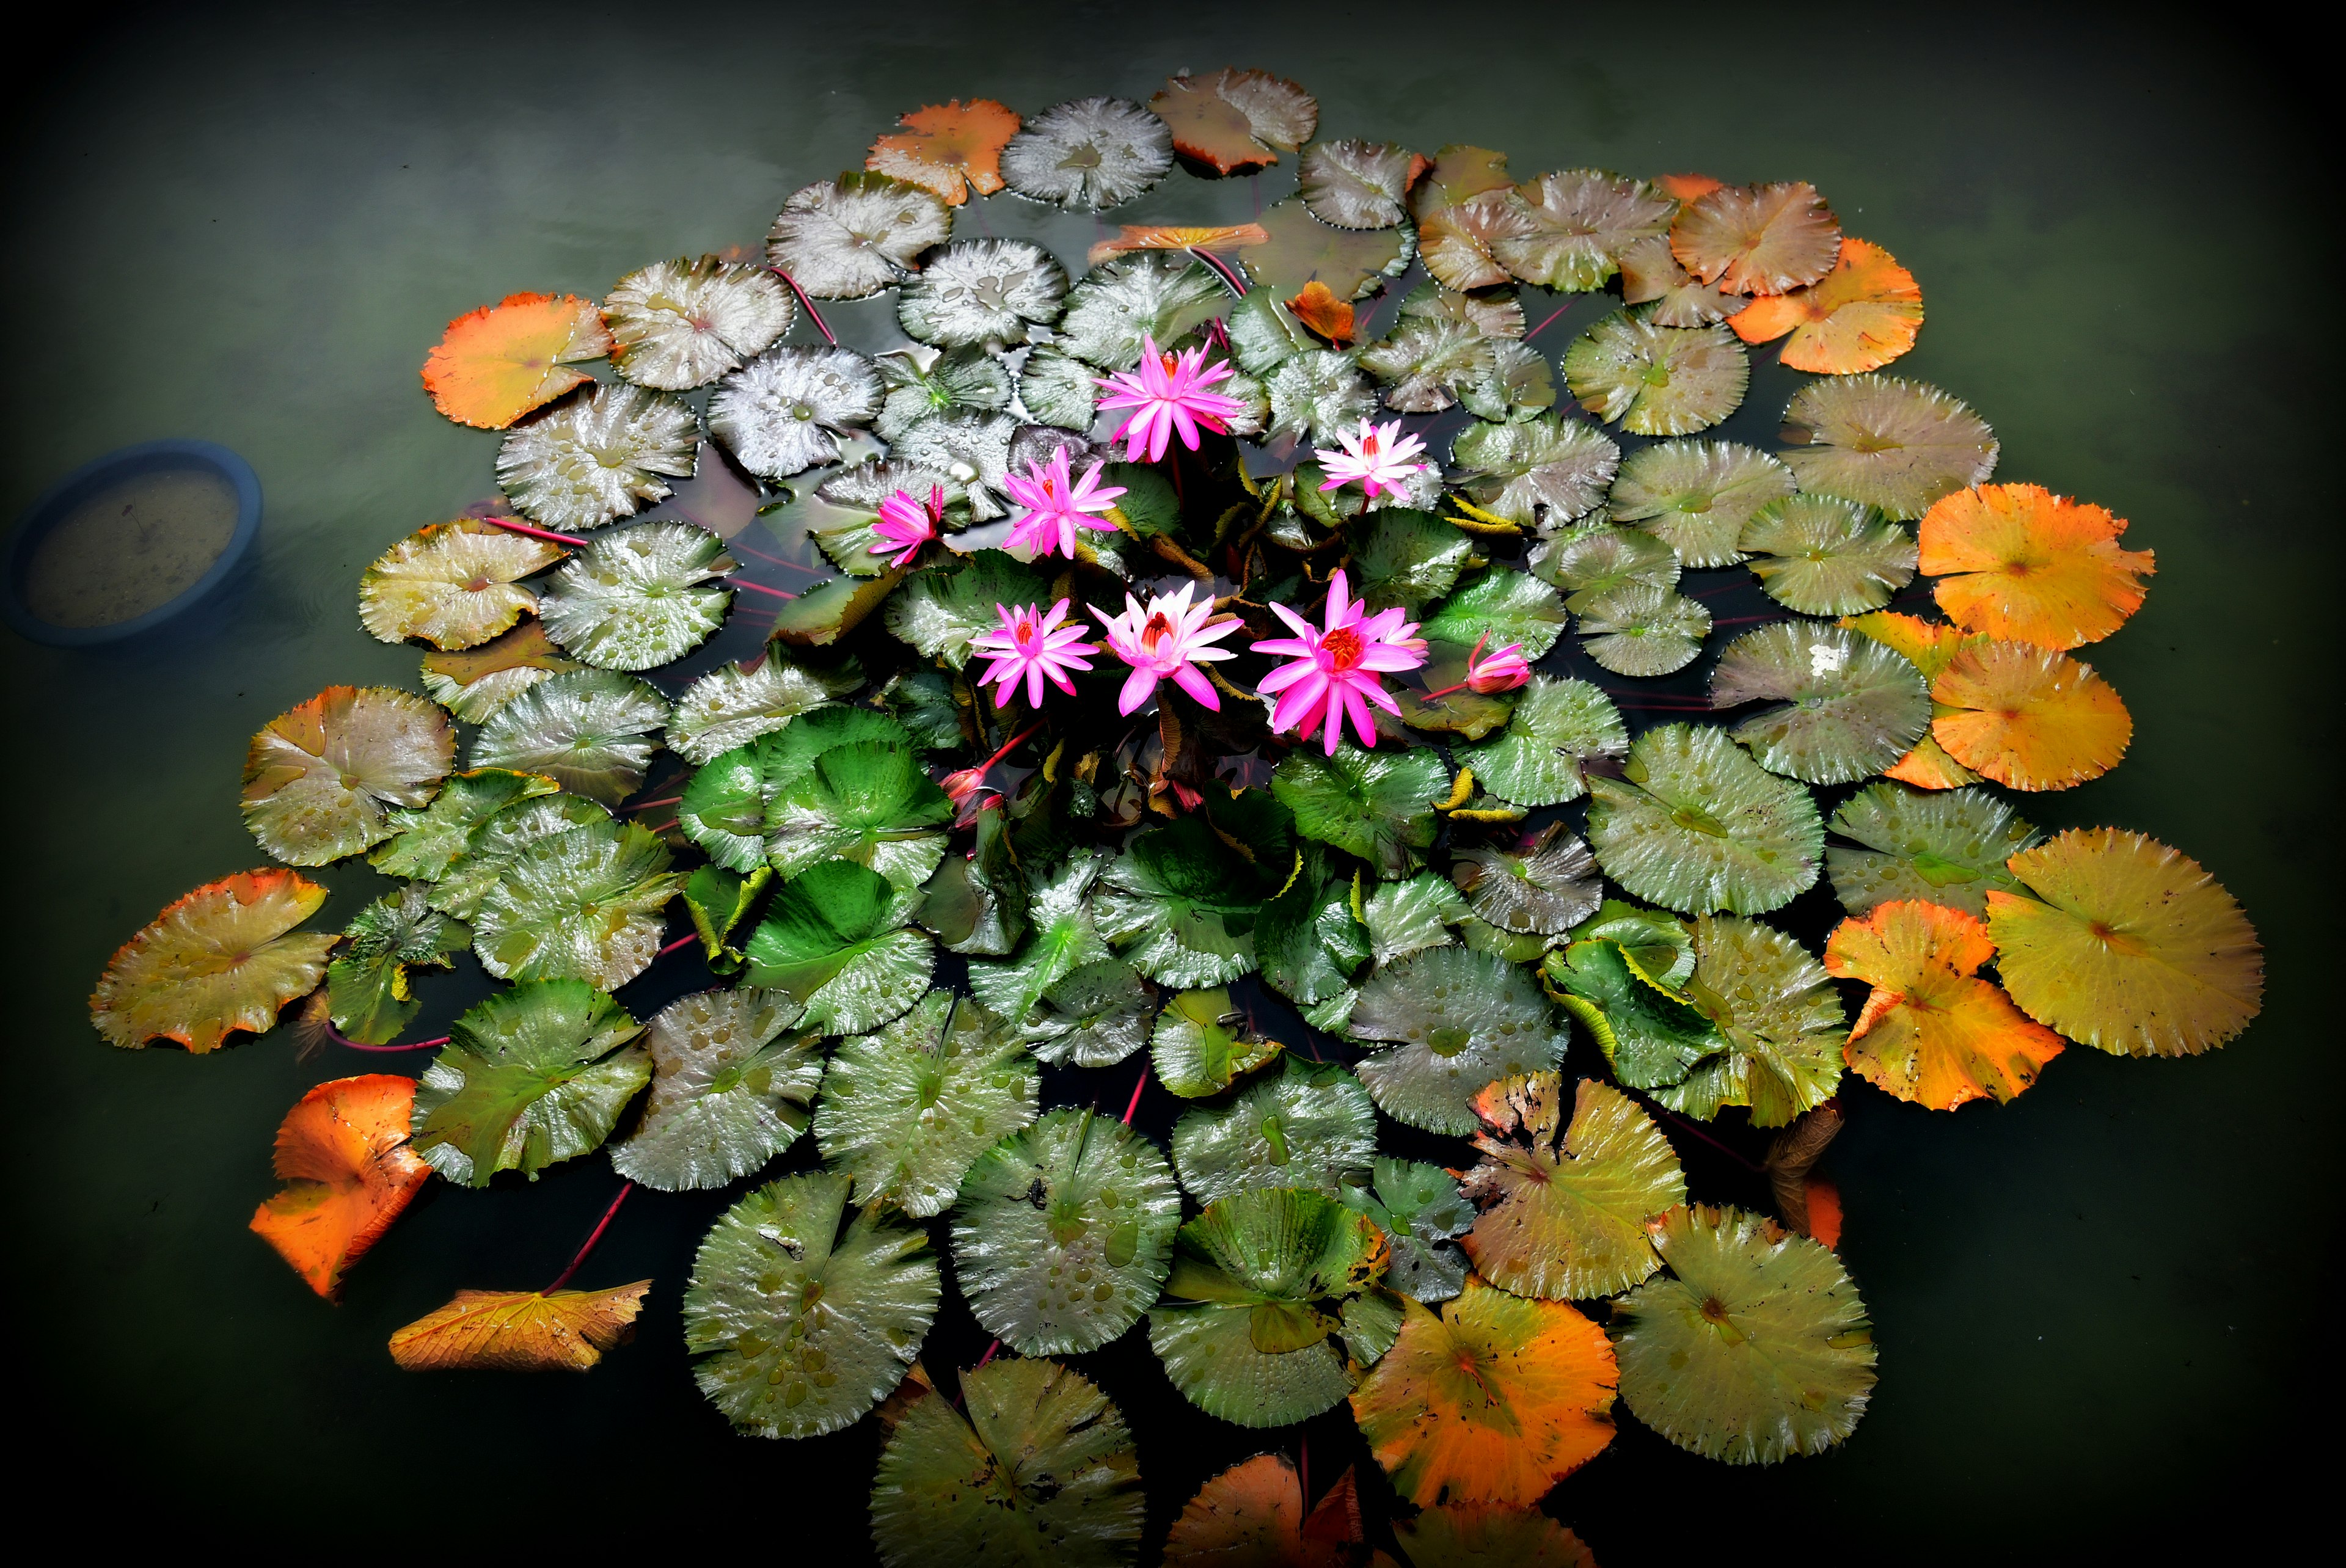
(132, 546)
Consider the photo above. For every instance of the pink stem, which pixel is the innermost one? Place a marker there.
(1688, 1127)
(597, 1235)
(513, 527)
(1551, 316)
(663, 827)
(988, 1357)
(736, 544)
(679, 941)
(1220, 269)
(1008, 744)
(1743, 620)
(758, 588)
(812, 314)
(1134, 1104)
(342, 1039)
(663, 800)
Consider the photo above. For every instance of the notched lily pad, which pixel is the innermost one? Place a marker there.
(530, 1075)
(475, 683)
(681, 325)
(1229, 121)
(1573, 225)
(1643, 628)
(846, 237)
(602, 454)
(1775, 1008)
(1849, 707)
(907, 1111)
(1824, 557)
(455, 585)
(637, 598)
(1090, 154)
(982, 293)
(1697, 495)
(1695, 825)
(1357, 183)
(1350, 263)
(222, 958)
(1546, 888)
(1557, 725)
(588, 903)
(1653, 380)
(1442, 1022)
(1308, 1127)
(1942, 846)
(1881, 441)
(1541, 467)
(731, 1090)
(321, 778)
(589, 730)
(1565, 1210)
(782, 413)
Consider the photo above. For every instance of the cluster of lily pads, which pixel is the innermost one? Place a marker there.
(1525, 921)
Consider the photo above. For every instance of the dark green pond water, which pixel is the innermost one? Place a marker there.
(2096, 1307)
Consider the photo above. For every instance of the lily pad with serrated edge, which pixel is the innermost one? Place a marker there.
(783, 412)
(1650, 1035)
(496, 840)
(834, 937)
(1859, 316)
(1057, 389)
(804, 1323)
(731, 1090)
(1095, 1016)
(321, 778)
(1456, 238)
(1651, 276)
(941, 608)
(637, 598)
(2127, 946)
(1656, 943)
(1251, 1515)
(1775, 1007)
(1576, 224)
(1377, 805)
(1941, 847)
(1506, 606)
(920, 381)
(1421, 1210)
(1179, 906)
(589, 730)
(1264, 333)
(496, 363)
(1160, 295)
(1565, 1210)
(2028, 717)
(1306, 1128)
(734, 807)
(221, 958)
(970, 444)
(1518, 386)
(1755, 1345)
(1090, 154)
(1657, 381)
(982, 293)
(1063, 1233)
(587, 903)
(1546, 888)
(1316, 395)
(1471, 1534)
(1043, 1470)
(1356, 184)
(1757, 239)
(681, 325)
(1231, 121)
(1196, 1048)
(1882, 441)
(1590, 559)
(1404, 916)
(454, 584)
(520, 1331)
(2017, 561)
(1933, 1031)
(602, 454)
(1407, 557)
(531, 1075)
(1824, 556)
(952, 149)
(1252, 1311)
(1350, 263)
(1697, 495)
(730, 706)
(867, 803)
(476, 682)
(1643, 629)
(1850, 707)
(1442, 1022)
(1546, 465)
(846, 237)
(1062, 938)
(1557, 725)
(1310, 936)
(1434, 351)
(908, 1110)
(367, 991)
(1697, 825)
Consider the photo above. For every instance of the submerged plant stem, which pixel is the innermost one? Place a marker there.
(514, 526)
(812, 314)
(593, 1237)
(758, 588)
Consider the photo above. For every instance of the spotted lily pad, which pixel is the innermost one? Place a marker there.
(1557, 725)
(321, 778)
(530, 1075)
(1546, 888)
(1317, 394)
(1179, 906)
(590, 731)
(1094, 1016)
(1091, 153)
(1441, 344)
(834, 937)
(907, 1111)
(1197, 1048)
(454, 584)
(2028, 717)
(367, 991)
(681, 325)
(1590, 559)
(1933, 1032)
(1695, 824)
(1442, 1022)
(1565, 1210)
(731, 1090)
(783, 413)
(1421, 1210)
(1824, 557)
(1057, 389)
(1160, 295)
(1542, 466)
(1850, 707)
(972, 448)
(1407, 557)
(920, 381)
(598, 457)
(476, 682)
(1775, 1008)
(1941, 847)
(1377, 805)
(1881, 441)
(1575, 225)
(1466, 202)
(1643, 628)
(586, 902)
(1697, 495)
(1357, 184)
(1757, 239)
(846, 237)
(1350, 263)
(1657, 381)
(730, 706)
(1307, 1127)
(637, 598)
(222, 958)
(982, 293)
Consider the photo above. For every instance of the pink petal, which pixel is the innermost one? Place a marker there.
(1137, 688)
(1192, 680)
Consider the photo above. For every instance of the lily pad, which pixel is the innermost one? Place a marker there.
(222, 958)
(530, 1075)
(1933, 1031)
(1881, 441)
(1654, 945)
(496, 363)
(1546, 465)
(1406, 916)
(1421, 1210)
(497, 842)
(982, 293)
(942, 607)
(1231, 121)
(366, 986)
(728, 708)
(1310, 937)
(731, 1090)
(1557, 725)
(952, 149)
(1650, 1035)
(846, 237)
(1179, 906)
(1057, 389)
(1317, 395)
(1442, 1022)
(1197, 1051)
(969, 445)
(321, 778)
(1824, 557)
(590, 731)
(1063, 940)
(1547, 888)
(1777, 1011)
(475, 683)
(1755, 1347)
(1757, 239)
(520, 1331)
(588, 904)
(1357, 184)
(1251, 1517)
(1308, 1127)
(1859, 316)
(454, 584)
(1643, 629)
(1440, 343)
(1377, 805)
(1574, 225)
(1407, 557)
(636, 598)
(1507, 606)
(783, 413)
(1657, 381)
(920, 381)
(1465, 202)
(1350, 263)
(1095, 1016)
(2028, 717)
(1481, 1536)
(1851, 707)
(907, 1111)
(770, 802)
(342, 1152)
(805, 1322)
(1590, 559)
(1697, 825)
(1697, 495)
(1650, 275)
(681, 325)
(1090, 154)
(1064, 1234)
(2017, 561)
(1946, 848)
(834, 937)
(598, 457)
(1159, 295)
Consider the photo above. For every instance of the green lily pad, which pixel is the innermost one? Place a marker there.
(1541, 466)
(1851, 707)
(1196, 1048)
(1565, 1211)
(1590, 559)
(921, 383)
(1064, 1234)
(1468, 714)
(939, 609)
(1657, 943)
(1254, 1308)
(923, 702)
(1643, 629)
(1407, 557)
(1095, 1016)
(474, 683)
(635, 599)
(846, 237)
(1518, 386)
(1415, 913)
(867, 803)
(1042, 1470)
(602, 454)
(718, 901)
(1782, 1021)
(971, 445)
(731, 1090)
(736, 804)
(1574, 225)
(1547, 888)
(530, 1075)
(1057, 389)
(1062, 938)
(1318, 396)
(1441, 343)
(366, 986)
(907, 1111)
(1880, 441)
(1657, 381)
(1697, 825)
(1310, 937)
(1377, 805)
(587, 903)
(1650, 1035)
(1179, 906)
(1506, 606)
(321, 779)
(1755, 1345)
(1557, 725)
(982, 293)
(1306, 1128)
(1823, 556)
(1421, 1210)
(834, 937)
(1350, 263)
(1161, 295)
(496, 843)
(1696, 495)
(1356, 184)
(805, 1324)
(424, 843)
(977, 903)
(1090, 154)
(784, 412)
(1264, 333)
(729, 707)
(455, 585)
(590, 731)
(1940, 846)
(1442, 1024)
(681, 325)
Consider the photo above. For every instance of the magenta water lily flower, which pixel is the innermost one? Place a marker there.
(1168, 392)
(1167, 641)
(905, 524)
(1035, 646)
(1377, 456)
(1057, 506)
(1338, 668)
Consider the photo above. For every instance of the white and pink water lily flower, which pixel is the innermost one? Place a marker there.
(1055, 506)
(1503, 671)
(905, 524)
(1168, 392)
(1167, 641)
(1379, 456)
(1033, 645)
(1338, 668)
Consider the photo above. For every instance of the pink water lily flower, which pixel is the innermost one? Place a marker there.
(1035, 646)
(1168, 392)
(1377, 456)
(1167, 639)
(1337, 667)
(1057, 506)
(905, 524)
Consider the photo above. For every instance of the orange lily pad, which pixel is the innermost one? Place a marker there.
(1688, 187)
(2027, 717)
(1465, 201)
(1928, 767)
(1757, 239)
(348, 1171)
(1231, 120)
(1476, 1535)
(1319, 308)
(1495, 1399)
(1859, 316)
(1930, 647)
(496, 363)
(222, 958)
(1177, 237)
(520, 1331)
(1933, 1031)
(2021, 561)
(950, 148)
(1251, 1517)
(2133, 950)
